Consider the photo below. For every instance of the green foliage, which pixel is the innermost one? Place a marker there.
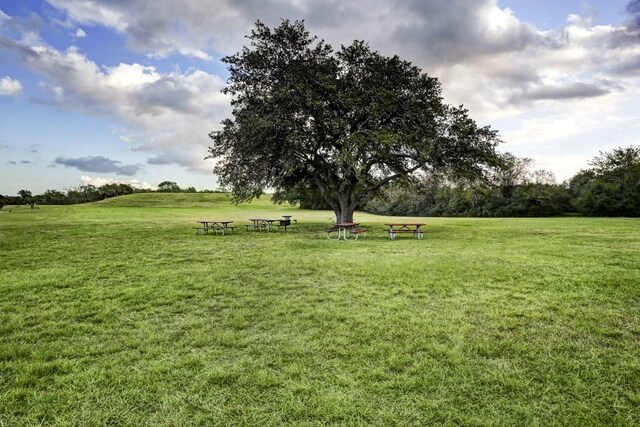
(511, 189)
(90, 193)
(53, 197)
(169, 187)
(83, 194)
(25, 196)
(341, 124)
(119, 315)
(112, 190)
(611, 187)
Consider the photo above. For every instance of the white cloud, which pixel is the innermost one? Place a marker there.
(171, 113)
(80, 33)
(10, 87)
(552, 87)
(130, 76)
(564, 166)
(483, 53)
(93, 12)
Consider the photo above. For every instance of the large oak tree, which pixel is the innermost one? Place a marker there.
(339, 123)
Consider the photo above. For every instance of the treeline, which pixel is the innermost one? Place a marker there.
(610, 187)
(88, 193)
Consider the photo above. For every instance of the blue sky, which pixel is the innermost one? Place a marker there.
(96, 91)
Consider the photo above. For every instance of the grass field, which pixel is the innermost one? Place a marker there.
(116, 313)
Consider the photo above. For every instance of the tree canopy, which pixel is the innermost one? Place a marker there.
(168, 187)
(612, 186)
(339, 123)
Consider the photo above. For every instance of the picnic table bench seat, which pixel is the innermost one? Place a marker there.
(216, 228)
(418, 234)
(354, 231)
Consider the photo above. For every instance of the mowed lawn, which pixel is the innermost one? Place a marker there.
(116, 313)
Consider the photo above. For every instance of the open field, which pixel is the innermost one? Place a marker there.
(115, 313)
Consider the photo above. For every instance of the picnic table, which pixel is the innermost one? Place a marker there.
(346, 230)
(261, 224)
(405, 227)
(215, 225)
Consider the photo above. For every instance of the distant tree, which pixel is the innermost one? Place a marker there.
(311, 199)
(576, 188)
(83, 194)
(538, 199)
(124, 189)
(611, 187)
(617, 164)
(343, 123)
(513, 188)
(168, 187)
(113, 190)
(53, 197)
(510, 172)
(25, 196)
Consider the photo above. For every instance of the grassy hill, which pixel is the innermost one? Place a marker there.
(179, 200)
(116, 313)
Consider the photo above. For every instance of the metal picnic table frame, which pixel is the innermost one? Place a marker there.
(215, 225)
(346, 230)
(405, 227)
(262, 224)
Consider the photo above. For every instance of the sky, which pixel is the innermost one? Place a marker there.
(102, 91)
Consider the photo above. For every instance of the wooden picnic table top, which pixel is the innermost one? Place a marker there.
(347, 224)
(214, 222)
(263, 219)
(405, 224)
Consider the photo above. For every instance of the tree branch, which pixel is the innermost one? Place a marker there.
(390, 178)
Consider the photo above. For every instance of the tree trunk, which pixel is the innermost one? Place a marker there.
(344, 208)
(344, 216)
